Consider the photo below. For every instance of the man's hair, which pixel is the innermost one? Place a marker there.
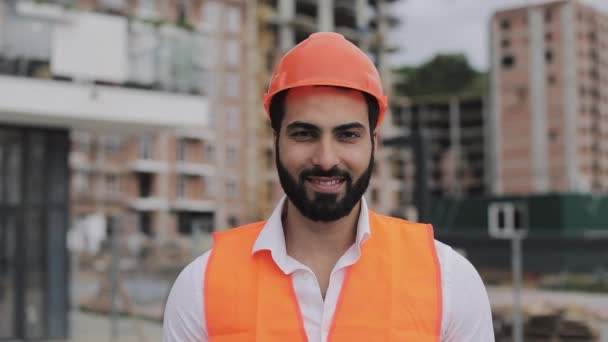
(277, 109)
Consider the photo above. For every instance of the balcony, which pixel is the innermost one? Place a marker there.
(205, 134)
(192, 205)
(149, 166)
(99, 72)
(194, 169)
(149, 203)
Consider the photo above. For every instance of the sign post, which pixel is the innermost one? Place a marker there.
(506, 220)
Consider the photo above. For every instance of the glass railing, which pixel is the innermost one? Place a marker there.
(160, 56)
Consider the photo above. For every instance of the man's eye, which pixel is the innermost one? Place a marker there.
(348, 136)
(302, 135)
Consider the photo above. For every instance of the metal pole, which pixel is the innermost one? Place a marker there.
(114, 276)
(516, 264)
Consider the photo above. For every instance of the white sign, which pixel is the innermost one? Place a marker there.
(506, 220)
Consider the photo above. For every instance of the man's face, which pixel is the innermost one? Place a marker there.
(324, 151)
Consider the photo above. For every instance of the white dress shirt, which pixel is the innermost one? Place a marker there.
(466, 309)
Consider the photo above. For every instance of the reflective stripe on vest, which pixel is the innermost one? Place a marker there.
(392, 293)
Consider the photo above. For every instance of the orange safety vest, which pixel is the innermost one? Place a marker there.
(393, 293)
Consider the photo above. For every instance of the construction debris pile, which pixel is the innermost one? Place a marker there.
(545, 323)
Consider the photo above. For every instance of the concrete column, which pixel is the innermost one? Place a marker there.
(254, 162)
(325, 15)
(570, 95)
(538, 97)
(162, 224)
(493, 118)
(455, 144)
(287, 35)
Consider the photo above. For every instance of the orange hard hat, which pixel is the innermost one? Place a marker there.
(327, 58)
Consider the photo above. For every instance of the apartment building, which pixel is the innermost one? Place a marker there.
(281, 24)
(549, 99)
(167, 183)
(64, 71)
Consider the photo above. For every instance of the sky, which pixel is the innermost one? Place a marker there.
(429, 27)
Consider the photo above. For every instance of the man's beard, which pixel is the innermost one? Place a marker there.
(323, 207)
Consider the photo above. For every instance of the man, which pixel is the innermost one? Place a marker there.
(324, 267)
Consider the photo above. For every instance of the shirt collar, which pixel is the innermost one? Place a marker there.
(272, 236)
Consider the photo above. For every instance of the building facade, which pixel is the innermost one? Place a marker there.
(65, 71)
(167, 183)
(549, 99)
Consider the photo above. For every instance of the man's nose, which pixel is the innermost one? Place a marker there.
(325, 156)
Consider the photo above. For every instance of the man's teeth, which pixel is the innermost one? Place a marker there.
(326, 182)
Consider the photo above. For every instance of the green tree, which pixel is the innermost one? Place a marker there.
(444, 74)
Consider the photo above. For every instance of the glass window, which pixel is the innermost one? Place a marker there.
(112, 184)
(209, 152)
(233, 19)
(146, 147)
(182, 150)
(231, 154)
(233, 52)
(182, 187)
(233, 83)
(81, 182)
(234, 120)
(231, 188)
(211, 15)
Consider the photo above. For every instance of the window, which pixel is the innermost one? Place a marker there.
(209, 152)
(145, 147)
(508, 62)
(233, 221)
(233, 52)
(231, 155)
(182, 187)
(182, 150)
(113, 145)
(112, 184)
(233, 19)
(233, 83)
(81, 182)
(234, 120)
(551, 79)
(548, 15)
(211, 15)
(505, 43)
(232, 188)
(549, 56)
(209, 185)
(505, 24)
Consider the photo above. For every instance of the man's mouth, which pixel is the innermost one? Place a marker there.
(326, 184)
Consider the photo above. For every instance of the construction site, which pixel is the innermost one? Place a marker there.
(133, 192)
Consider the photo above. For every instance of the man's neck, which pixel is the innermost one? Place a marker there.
(306, 238)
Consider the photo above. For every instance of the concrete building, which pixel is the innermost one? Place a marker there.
(549, 99)
(281, 24)
(453, 126)
(162, 184)
(65, 71)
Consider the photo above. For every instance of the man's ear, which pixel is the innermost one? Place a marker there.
(375, 137)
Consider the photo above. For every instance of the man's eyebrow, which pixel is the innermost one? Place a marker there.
(302, 125)
(345, 127)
